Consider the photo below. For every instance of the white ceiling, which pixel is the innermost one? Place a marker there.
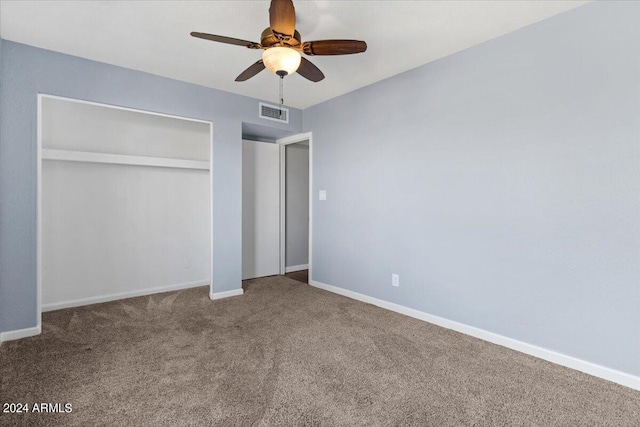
(153, 36)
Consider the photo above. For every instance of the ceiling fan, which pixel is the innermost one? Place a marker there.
(281, 44)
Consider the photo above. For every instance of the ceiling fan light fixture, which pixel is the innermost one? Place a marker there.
(278, 59)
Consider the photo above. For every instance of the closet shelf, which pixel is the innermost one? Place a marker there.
(121, 159)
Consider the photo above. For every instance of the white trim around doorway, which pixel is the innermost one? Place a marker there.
(283, 143)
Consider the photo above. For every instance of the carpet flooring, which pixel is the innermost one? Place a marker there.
(286, 354)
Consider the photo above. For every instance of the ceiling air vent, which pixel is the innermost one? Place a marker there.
(274, 112)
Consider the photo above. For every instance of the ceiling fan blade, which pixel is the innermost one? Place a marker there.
(251, 71)
(227, 40)
(309, 71)
(334, 47)
(282, 19)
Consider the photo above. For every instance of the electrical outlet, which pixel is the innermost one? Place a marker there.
(322, 195)
(395, 280)
(187, 263)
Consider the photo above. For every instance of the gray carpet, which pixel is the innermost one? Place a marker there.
(286, 354)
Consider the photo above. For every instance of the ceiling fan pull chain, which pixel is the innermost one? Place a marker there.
(281, 94)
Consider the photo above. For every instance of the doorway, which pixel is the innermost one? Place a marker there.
(296, 206)
(296, 195)
(276, 228)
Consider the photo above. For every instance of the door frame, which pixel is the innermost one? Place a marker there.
(283, 142)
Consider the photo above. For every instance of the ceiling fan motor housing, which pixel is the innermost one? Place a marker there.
(267, 39)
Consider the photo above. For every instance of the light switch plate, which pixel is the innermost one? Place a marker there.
(323, 195)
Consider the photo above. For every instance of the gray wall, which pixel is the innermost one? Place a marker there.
(27, 71)
(297, 204)
(502, 183)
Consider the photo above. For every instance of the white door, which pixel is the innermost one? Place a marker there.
(260, 209)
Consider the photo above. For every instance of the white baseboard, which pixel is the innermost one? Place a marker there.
(599, 371)
(296, 268)
(225, 294)
(120, 295)
(20, 333)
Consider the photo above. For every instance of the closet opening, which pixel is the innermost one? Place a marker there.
(124, 203)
